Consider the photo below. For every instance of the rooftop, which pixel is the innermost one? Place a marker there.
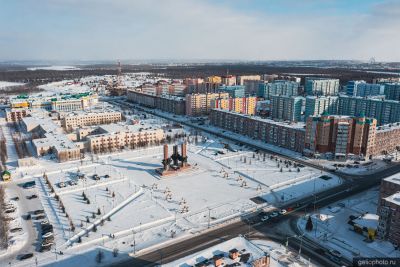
(395, 198)
(295, 125)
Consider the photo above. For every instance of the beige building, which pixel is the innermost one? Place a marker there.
(115, 137)
(240, 79)
(228, 80)
(200, 104)
(16, 114)
(79, 119)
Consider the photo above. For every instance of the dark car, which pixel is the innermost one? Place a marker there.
(15, 198)
(36, 212)
(28, 217)
(29, 184)
(32, 196)
(15, 230)
(40, 217)
(25, 256)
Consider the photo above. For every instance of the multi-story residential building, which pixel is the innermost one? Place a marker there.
(150, 89)
(362, 88)
(115, 137)
(72, 120)
(16, 114)
(200, 104)
(244, 105)
(385, 111)
(203, 88)
(214, 79)
(251, 86)
(177, 89)
(389, 210)
(318, 105)
(233, 90)
(168, 103)
(286, 135)
(340, 135)
(386, 80)
(228, 80)
(278, 87)
(275, 77)
(242, 78)
(321, 86)
(392, 91)
(387, 139)
(286, 108)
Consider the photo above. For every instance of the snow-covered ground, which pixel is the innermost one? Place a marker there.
(140, 210)
(4, 84)
(279, 255)
(54, 68)
(332, 230)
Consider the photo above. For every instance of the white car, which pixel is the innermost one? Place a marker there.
(283, 211)
(72, 182)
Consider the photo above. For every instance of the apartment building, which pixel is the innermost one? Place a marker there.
(214, 79)
(233, 90)
(244, 105)
(16, 114)
(287, 108)
(242, 78)
(228, 80)
(79, 119)
(200, 104)
(392, 91)
(387, 139)
(389, 210)
(321, 86)
(275, 77)
(340, 135)
(362, 88)
(278, 87)
(318, 105)
(168, 103)
(286, 135)
(385, 111)
(114, 137)
(251, 87)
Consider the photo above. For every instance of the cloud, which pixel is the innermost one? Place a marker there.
(196, 29)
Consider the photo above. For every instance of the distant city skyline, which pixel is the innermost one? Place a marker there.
(200, 30)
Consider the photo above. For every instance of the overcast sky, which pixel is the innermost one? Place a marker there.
(199, 29)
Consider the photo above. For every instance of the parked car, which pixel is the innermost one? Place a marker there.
(96, 177)
(15, 198)
(106, 176)
(283, 211)
(40, 217)
(32, 196)
(36, 212)
(48, 235)
(28, 185)
(10, 210)
(61, 184)
(28, 217)
(72, 182)
(46, 247)
(25, 256)
(335, 253)
(265, 218)
(15, 230)
(274, 214)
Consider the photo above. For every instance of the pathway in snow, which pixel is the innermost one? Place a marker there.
(12, 161)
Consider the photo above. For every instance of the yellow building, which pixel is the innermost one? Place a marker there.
(244, 105)
(214, 79)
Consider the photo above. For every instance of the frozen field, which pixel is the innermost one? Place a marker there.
(130, 205)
